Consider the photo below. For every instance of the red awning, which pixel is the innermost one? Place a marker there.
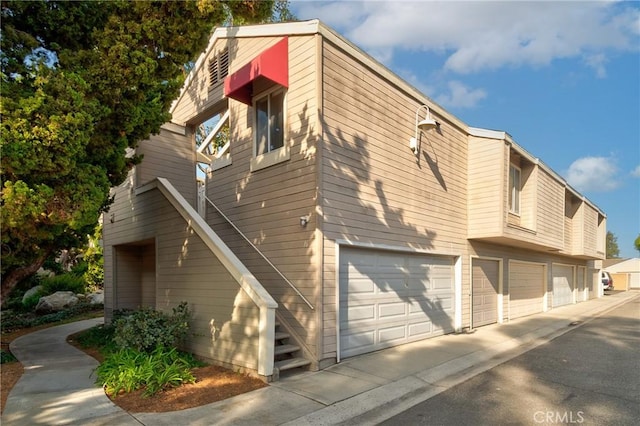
(272, 64)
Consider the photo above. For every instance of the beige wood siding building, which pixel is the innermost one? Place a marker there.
(362, 242)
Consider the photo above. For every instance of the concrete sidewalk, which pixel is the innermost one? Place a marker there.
(362, 390)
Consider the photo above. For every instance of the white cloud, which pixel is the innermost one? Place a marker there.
(597, 62)
(461, 96)
(636, 172)
(477, 36)
(595, 174)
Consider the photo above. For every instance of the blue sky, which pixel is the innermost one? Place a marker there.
(562, 78)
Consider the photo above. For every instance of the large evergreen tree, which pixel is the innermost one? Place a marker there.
(81, 82)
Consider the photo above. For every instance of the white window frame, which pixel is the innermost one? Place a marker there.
(277, 155)
(515, 191)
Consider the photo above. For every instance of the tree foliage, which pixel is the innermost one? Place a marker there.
(81, 82)
(613, 251)
(636, 243)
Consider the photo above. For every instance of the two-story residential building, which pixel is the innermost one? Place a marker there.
(341, 211)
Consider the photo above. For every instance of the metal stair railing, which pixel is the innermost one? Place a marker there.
(260, 253)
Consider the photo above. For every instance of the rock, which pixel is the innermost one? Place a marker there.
(31, 292)
(58, 301)
(96, 298)
(45, 273)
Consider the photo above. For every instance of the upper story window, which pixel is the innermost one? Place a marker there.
(515, 187)
(269, 122)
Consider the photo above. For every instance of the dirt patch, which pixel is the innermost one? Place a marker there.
(212, 384)
(11, 373)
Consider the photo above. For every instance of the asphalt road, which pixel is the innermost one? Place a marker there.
(589, 376)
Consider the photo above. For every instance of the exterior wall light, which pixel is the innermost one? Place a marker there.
(427, 123)
(304, 220)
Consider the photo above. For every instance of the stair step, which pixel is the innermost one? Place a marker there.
(288, 364)
(285, 349)
(281, 335)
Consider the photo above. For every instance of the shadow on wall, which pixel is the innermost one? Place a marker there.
(359, 208)
(358, 204)
(266, 206)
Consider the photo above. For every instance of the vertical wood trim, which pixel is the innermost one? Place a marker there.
(266, 340)
(337, 287)
(319, 232)
(457, 292)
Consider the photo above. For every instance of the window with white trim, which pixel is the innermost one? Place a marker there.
(269, 122)
(514, 189)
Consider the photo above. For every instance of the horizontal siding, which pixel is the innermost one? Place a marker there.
(550, 210)
(171, 156)
(199, 97)
(225, 323)
(486, 187)
(266, 205)
(577, 231)
(374, 189)
(590, 230)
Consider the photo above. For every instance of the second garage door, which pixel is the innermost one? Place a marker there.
(389, 298)
(485, 281)
(526, 288)
(562, 285)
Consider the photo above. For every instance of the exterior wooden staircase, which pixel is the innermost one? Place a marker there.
(287, 356)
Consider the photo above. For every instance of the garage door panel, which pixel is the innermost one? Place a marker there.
(410, 292)
(357, 342)
(363, 312)
(389, 335)
(421, 329)
(390, 310)
(361, 286)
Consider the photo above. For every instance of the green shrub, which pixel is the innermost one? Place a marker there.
(64, 282)
(31, 302)
(14, 300)
(80, 268)
(99, 337)
(6, 357)
(147, 329)
(16, 322)
(128, 369)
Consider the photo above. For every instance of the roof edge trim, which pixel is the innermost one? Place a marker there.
(260, 30)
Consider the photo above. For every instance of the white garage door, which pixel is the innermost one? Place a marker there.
(389, 298)
(581, 285)
(526, 289)
(562, 285)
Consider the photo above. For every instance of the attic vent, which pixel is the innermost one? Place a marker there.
(219, 67)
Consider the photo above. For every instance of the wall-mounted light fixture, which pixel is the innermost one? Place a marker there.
(304, 220)
(424, 125)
